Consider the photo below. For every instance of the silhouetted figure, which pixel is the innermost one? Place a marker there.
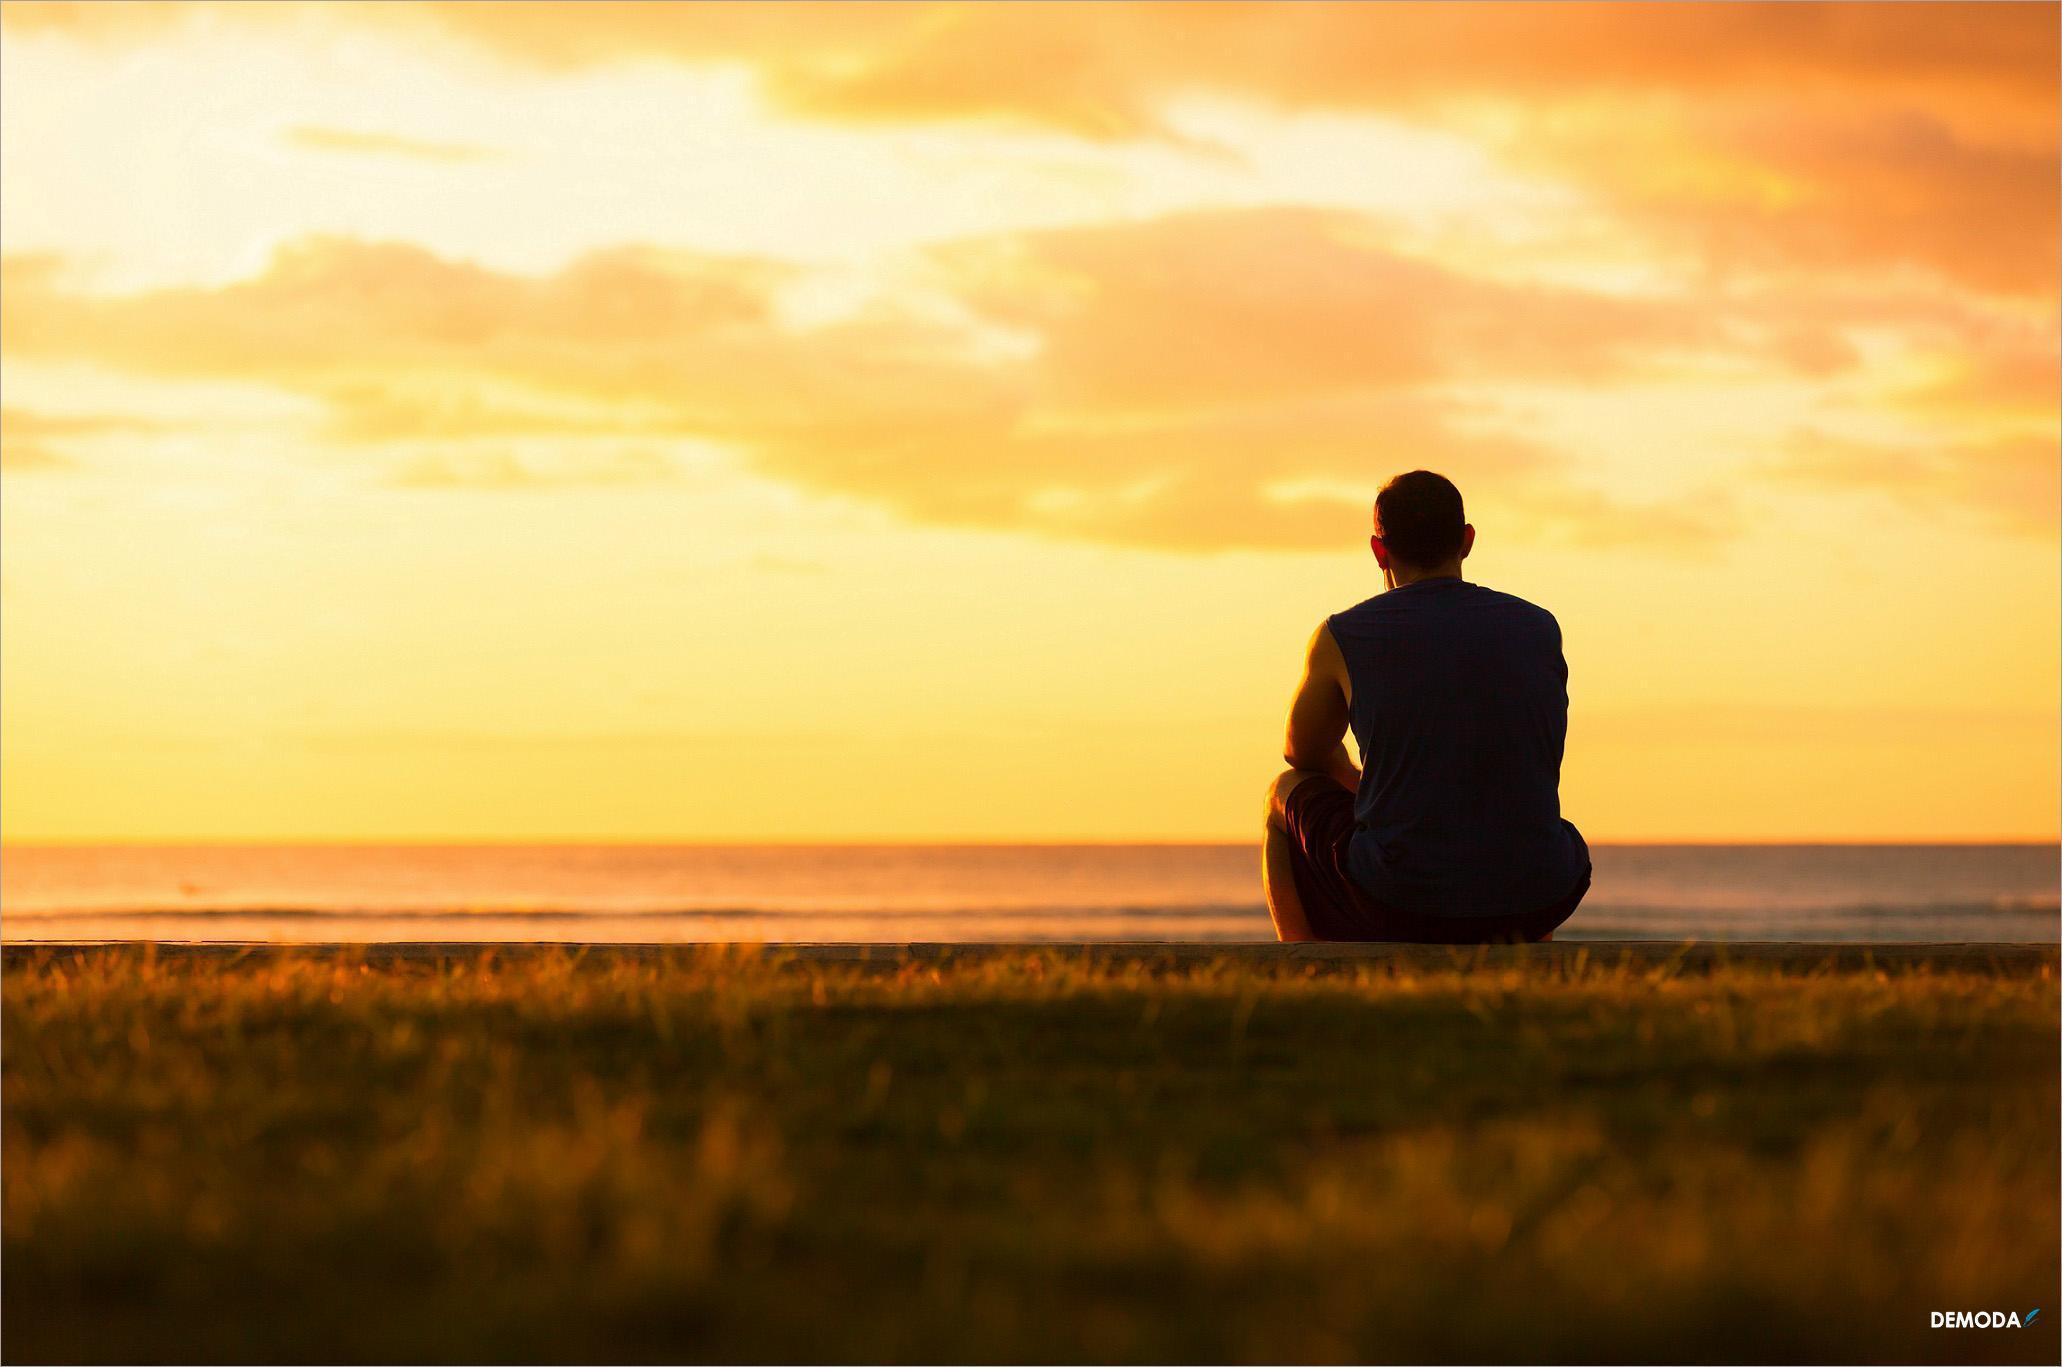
(1457, 696)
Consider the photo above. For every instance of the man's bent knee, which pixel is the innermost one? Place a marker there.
(1278, 792)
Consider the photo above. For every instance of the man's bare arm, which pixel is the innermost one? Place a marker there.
(1318, 715)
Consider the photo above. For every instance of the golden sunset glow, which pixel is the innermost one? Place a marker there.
(782, 423)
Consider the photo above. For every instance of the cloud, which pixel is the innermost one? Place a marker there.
(1184, 367)
(32, 424)
(25, 436)
(1802, 137)
(1773, 189)
(1696, 524)
(1916, 347)
(2011, 370)
(1202, 381)
(505, 470)
(27, 457)
(367, 409)
(119, 20)
(2013, 482)
(335, 314)
(320, 139)
(1286, 302)
(1105, 71)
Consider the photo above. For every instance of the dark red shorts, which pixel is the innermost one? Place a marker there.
(1320, 822)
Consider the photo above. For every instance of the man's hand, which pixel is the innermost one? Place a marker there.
(1342, 768)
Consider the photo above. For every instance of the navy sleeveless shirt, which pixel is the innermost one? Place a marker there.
(1460, 709)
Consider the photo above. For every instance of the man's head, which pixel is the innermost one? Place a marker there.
(1420, 527)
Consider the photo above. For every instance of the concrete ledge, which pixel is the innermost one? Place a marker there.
(1684, 956)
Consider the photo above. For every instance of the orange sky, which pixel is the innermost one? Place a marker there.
(781, 422)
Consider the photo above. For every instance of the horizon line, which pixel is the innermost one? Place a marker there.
(926, 842)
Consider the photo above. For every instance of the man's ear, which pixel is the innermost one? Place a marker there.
(1467, 540)
(1381, 551)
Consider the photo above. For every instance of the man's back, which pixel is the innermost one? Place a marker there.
(1459, 705)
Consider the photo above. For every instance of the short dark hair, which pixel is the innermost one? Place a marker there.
(1420, 518)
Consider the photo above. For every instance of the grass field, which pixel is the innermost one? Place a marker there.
(727, 1155)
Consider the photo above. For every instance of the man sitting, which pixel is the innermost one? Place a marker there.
(1457, 697)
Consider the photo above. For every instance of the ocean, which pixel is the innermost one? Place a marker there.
(1854, 893)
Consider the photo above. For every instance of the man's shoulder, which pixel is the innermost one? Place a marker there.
(1472, 610)
(1512, 603)
(1364, 619)
(1363, 608)
(1474, 596)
